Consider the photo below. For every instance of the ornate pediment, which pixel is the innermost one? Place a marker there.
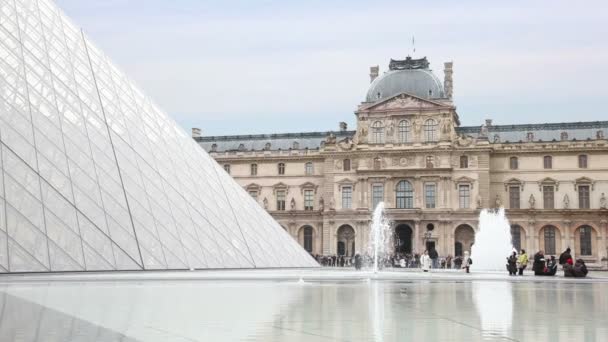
(308, 186)
(464, 180)
(584, 181)
(280, 186)
(253, 187)
(548, 181)
(404, 101)
(346, 182)
(514, 182)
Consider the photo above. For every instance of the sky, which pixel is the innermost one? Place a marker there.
(260, 66)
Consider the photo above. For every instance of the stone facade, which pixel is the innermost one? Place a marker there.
(433, 175)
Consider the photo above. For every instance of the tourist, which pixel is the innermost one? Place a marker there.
(551, 268)
(538, 266)
(522, 262)
(512, 264)
(457, 262)
(434, 257)
(416, 260)
(402, 263)
(448, 261)
(358, 261)
(467, 261)
(425, 261)
(578, 270)
(563, 258)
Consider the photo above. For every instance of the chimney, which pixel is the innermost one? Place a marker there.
(373, 73)
(196, 132)
(447, 80)
(343, 126)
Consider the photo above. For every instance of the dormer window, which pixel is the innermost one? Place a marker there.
(296, 145)
(241, 147)
(214, 148)
(267, 147)
(529, 136)
(563, 136)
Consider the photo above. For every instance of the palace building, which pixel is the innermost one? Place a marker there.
(434, 175)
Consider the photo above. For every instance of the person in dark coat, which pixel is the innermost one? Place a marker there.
(512, 264)
(578, 270)
(539, 263)
(358, 261)
(563, 258)
(551, 268)
(434, 257)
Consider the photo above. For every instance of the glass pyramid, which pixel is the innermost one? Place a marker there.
(94, 176)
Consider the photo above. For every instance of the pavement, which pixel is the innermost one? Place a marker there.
(324, 274)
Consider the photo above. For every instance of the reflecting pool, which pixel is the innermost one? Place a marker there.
(316, 310)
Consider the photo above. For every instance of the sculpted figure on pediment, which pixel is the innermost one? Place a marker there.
(346, 144)
(566, 201)
(603, 203)
(417, 125)
(532, 201)
(362, 133)
(445, 125)
(464, 140)
(321, 204)
(265, 203)
(498, 202)
(390, 128)
(331, 139)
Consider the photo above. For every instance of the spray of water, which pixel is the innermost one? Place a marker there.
(379, 236)
(492, 241)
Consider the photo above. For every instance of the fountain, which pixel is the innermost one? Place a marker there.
(379, 236)
(492, 241)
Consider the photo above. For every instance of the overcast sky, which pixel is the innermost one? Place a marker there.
(240, 67)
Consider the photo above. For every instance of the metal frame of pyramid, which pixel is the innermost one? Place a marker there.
(95, 177)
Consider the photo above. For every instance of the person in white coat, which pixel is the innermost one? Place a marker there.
(425, 261)
(466, 262)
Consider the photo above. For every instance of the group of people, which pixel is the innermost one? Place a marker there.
(543, 266)
(427, 261)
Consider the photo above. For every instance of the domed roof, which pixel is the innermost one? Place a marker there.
(406, 77)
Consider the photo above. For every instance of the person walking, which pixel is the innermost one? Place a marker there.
(425, 261)
(448, 261)
(522, 261)
(467, 261)
(512, 264)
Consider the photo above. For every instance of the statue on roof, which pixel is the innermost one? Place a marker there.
(408, 63)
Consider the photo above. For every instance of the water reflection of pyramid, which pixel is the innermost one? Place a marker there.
(96, 177)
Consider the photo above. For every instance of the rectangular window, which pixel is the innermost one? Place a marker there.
(347, 197)
(548, 197)
(309, 169)
(547, 162)
(429, 195)
(377, 194)
(254, 169)
(464, 196)
(308, 199)
(346, 164)
(281, 200)
(583, 197)
(227, 168)
(254, 194)
(514, 197)
(582, 161)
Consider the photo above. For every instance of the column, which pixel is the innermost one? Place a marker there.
(535, 237)
(568, 239)
(417, 236)
(603, 248)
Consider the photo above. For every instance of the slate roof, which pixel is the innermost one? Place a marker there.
(314, 140)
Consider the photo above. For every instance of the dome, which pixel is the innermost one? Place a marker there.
(419, 82)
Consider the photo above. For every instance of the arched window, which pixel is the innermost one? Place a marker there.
(346, 164)
(405, 195)
(516, 237)
(582, 161)
(549, 236)
(430, 130)
(308, 239)
(585, 240)
(547, 162)
(377, 133)
(464, 162)
(254, 169)
(513, 163)
(309, 168)
(404, 131)
(281, 168)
